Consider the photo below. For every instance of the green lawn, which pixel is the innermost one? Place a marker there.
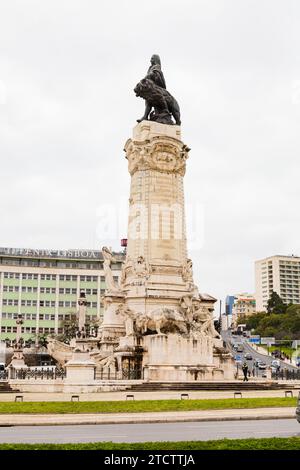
(142, 405)
(289, 443)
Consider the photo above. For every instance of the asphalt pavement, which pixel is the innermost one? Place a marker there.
(201, 431)
(247, 348)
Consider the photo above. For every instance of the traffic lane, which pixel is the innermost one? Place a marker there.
(267, 359)
(201, 431)
(258, 356)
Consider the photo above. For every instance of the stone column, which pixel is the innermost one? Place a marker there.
(82, 303)
(156, 251)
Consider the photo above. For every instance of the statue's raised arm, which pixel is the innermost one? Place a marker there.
(160, 106)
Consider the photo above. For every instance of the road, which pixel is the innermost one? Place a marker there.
(151, 432)
(230, 340)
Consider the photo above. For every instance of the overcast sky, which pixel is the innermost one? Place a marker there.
(67, 73)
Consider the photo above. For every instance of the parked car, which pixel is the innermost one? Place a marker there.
(248, 357)
(298, 409)
(261, 365)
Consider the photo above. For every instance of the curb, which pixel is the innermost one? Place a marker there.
(52, 420)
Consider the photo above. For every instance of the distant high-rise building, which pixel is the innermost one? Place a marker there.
(229, 304)
(279, 274)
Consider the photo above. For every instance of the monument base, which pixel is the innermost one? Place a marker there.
(80, 369)
(177, 358)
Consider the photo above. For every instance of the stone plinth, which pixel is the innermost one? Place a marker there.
(176, 358)
(175, 349)
(80, 369)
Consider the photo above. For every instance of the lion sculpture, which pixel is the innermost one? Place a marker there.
(165, 106)
(161, 318)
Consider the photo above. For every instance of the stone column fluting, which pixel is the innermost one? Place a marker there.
(156, 251)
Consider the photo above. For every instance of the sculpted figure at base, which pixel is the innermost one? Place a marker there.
(129, 319)
(203, 321)
(111, 286)
(153, 89)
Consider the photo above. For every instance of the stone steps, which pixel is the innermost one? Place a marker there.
(207, 386)
(5, 387)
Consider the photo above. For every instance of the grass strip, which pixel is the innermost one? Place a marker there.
(142, 406)
(289, 443)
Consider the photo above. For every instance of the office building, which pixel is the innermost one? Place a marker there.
(44, 285)
(279, 274)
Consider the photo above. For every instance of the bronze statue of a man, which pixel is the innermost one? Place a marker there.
(155, 73)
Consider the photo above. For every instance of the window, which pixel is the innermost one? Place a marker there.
(41, 317)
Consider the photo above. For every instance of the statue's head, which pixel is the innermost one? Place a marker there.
(155, 60)
(143, 88)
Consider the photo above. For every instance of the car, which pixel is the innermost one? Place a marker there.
(261, 365)
(248, 357)
(275, 364)
(298, 409)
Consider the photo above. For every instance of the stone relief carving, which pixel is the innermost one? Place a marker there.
(138, 268)
(168, 156)
(187, 271)
(141, 267)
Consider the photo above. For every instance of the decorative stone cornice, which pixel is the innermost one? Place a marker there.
(163, 154)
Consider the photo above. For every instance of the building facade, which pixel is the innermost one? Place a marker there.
(44, 285)
(279, 274)
(244, 305)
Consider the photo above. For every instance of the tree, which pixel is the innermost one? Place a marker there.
(276, 304)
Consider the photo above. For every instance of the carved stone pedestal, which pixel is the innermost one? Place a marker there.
(80, 369)
(175, 358)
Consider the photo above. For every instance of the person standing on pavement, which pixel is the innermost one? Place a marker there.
(245, 371)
